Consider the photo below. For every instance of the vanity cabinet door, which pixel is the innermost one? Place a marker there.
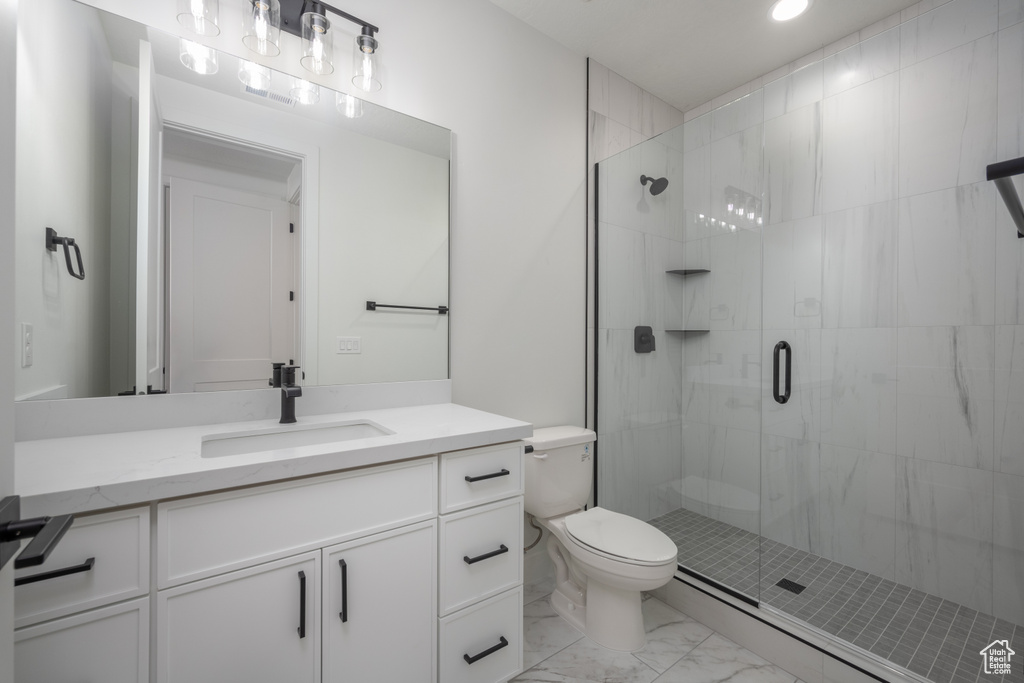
(256, 624)
(379, 616)
(106, 645)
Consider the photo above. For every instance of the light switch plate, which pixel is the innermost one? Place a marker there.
(349, 345)
(27, 345)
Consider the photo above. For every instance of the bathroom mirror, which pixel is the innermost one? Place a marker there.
(222, 225)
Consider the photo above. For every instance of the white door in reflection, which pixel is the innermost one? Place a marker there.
(231, 275)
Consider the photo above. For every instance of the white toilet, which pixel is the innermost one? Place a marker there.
(603, 559)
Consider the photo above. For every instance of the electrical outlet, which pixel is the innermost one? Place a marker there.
(27, 344)
(349, 345)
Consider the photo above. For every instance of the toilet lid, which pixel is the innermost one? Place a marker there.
(621, 536)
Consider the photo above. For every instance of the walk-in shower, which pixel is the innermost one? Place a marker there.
(835, 228)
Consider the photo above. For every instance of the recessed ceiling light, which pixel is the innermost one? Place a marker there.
(784, 10)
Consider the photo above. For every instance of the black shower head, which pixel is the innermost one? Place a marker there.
(657, 185)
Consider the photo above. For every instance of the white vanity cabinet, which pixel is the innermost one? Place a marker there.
(80, 616)
(253, 579)
(480, 555)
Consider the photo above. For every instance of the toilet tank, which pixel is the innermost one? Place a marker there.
(560, 471)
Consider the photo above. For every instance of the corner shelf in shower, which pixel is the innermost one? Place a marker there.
(688, 272)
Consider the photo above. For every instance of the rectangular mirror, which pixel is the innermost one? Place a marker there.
(222, 226)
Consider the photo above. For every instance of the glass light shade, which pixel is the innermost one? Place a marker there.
(349, 106)
(261, 27)
(366, 75)
(199, 16)
(317, 51)
(198, 58)
(784, 10)
(253, 75)
(305, 92)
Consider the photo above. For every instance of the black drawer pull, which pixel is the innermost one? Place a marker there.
(486, 556)
(56, 573)
(344, 591)
(302, 605)
(503, 473)
(489, 651)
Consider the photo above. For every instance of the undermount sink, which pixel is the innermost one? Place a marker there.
(292, 436)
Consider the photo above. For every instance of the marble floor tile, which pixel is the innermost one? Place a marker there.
(719, 659)
(544, 632)
(587, 662)
(670, 635)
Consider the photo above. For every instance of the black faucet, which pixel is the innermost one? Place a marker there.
(284, 379)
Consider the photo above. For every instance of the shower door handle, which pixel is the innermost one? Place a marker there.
(779, 348)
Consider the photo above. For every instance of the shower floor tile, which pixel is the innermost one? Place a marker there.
(932, 637)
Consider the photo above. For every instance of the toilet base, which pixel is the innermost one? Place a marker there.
(625, 632)
(575, 614)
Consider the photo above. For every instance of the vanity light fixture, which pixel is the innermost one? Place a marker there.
(349, 106)
(305, 92)
(199, 16)
(308, 20)
(784, 10)
(198, 58)
(253, 75)
(261, 27)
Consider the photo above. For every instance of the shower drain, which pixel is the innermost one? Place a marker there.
(791, 586)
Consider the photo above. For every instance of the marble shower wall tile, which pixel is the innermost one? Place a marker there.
(745, 112)
(861, 132)
(946, 27)
(664, 294)
(799, 418)
(619, 379)
(948, 118)
(733, 477)
(858, 401)
(607, 137)
(660, 463)
(792, 274)
(1010, 251)
(1009, 549)
(873, 58)
(696, 289)
(621, 263)
(619, 189)
(859, 274)
(946, 392)
(792, 165)
(618, 473)
(795, 91)
(1009, 401)
(1011, 12)
(735, 281)
(734, 376)
(857, 502)
(947, 257)
(660, 393)
(736, 170)
(790, 492)
(944, 531)
(696, 378)
(696, 445)
(1009, 272)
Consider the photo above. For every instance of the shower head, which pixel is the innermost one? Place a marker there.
(658, 185)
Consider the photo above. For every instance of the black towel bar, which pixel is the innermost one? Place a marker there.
(373, 306)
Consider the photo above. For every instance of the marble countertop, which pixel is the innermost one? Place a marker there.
(86, 473)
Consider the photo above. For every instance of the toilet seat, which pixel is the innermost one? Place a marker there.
(620, 537)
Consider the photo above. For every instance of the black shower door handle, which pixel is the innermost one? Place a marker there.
(779, 348)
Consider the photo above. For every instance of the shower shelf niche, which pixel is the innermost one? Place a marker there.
(687, 272)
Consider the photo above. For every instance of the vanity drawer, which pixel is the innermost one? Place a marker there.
(481, 475)
(481, 553)
(476, 630)
(117, 543)
(208, 535)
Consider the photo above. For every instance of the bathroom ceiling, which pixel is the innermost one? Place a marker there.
(689, 51)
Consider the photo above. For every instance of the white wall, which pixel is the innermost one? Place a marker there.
(516, 102)
(8, 24)
(63, 176)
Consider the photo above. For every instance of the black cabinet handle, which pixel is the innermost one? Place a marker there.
(488, 651)
(494, 553)
(56, 573)
(779, 348)
(302, 605)
(502, 473)
(344, 591)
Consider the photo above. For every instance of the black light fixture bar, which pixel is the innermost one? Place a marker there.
(1001, 173)
(292, 11)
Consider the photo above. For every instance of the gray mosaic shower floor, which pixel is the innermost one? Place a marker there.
(934, 638)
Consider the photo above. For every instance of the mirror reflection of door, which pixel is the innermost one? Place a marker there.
(232, 278)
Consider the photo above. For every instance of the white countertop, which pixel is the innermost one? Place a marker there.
(85, 473)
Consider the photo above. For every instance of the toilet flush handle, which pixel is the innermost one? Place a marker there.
(540, 456)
